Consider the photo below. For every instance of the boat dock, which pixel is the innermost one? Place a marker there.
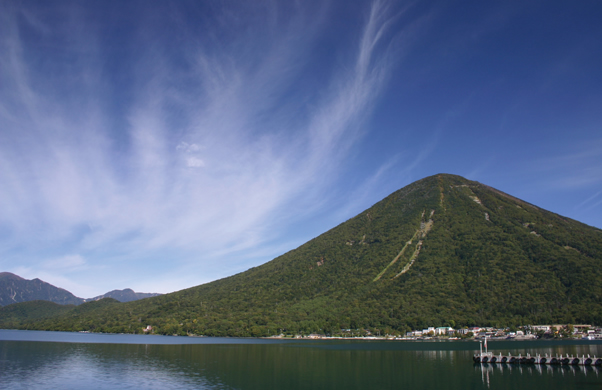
(489, 357)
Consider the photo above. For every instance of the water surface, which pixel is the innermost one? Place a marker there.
(60, 360)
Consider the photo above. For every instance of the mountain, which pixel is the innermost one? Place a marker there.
(441, 251)
(126, 295)
(14, 289)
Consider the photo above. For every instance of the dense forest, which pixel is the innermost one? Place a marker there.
(443, 251)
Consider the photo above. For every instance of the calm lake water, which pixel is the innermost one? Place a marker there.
(58, 360)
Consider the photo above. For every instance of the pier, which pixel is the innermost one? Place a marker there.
(484, 357)
(565, 360)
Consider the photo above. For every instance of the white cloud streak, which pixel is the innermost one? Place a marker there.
(69, 262)
(576, 166)
(201, 171)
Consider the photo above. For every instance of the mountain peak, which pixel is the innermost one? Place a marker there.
(15, 289)
(442, 250)
(8, 275)
(125, 295)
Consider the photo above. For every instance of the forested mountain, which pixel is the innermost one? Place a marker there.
(15, 289)
(441, 251)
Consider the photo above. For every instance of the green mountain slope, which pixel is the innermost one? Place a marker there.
(28, 315)
(441, 251)
(13, 315)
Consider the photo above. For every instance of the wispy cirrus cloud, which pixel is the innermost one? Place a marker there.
(591, 202)
(68, 262)
(575, 167)
(208, 153)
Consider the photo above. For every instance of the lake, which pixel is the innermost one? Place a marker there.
(61, 360)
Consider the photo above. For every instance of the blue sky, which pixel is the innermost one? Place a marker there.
(161, 145)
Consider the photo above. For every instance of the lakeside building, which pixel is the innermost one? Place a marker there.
(428, 330)
(526, 331)
(557, 327)
(444, 330)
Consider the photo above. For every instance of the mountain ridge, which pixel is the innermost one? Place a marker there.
(125, 295)
(15, 289)
(443, 250)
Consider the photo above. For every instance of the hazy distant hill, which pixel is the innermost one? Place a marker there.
(14, 289)
(441, 251)
(126, 295)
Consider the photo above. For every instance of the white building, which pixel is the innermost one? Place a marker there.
(444, 330)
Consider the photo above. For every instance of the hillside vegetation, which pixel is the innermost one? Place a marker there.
(441, 251)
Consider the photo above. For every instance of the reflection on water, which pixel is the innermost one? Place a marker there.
(294, 365)
(489, 371)
(30, 365)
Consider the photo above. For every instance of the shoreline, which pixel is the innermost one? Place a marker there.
(320, 338)
(16, 335)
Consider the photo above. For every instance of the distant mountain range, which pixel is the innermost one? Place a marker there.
(126, 295)
(443, 251)
(15, 289)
